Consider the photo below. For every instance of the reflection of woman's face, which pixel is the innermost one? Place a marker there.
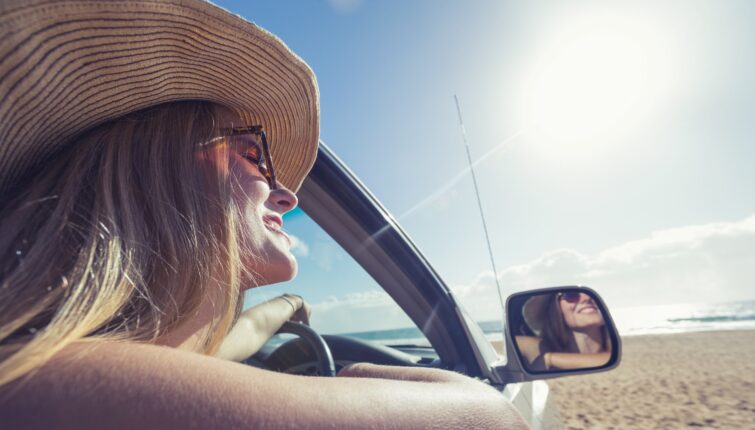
(580, 312)
(263, 238)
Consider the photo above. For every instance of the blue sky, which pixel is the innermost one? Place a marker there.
(618, 136)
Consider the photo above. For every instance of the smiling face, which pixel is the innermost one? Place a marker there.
(580, 311)
(265, 247)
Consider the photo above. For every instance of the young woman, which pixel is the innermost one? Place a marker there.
(571, 332)
(139, 200)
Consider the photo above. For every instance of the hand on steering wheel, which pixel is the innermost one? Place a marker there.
(302, 310)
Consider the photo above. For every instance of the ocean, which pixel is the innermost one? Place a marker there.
(632, 321)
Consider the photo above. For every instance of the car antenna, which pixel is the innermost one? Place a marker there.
(479, 203)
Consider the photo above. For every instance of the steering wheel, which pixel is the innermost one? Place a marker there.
(325, 364)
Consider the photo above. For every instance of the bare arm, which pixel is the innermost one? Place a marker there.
(531, 348)
(148, 387)
(257, 324)
(537, 359)
(575, 360)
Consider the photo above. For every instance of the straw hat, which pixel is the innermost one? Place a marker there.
(534, 309)
(66, 66)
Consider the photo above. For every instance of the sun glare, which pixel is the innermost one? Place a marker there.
(599, 77)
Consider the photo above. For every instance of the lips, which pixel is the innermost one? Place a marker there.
(274, 223)
(587, 309)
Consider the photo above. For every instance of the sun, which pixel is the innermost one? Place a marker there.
(599, 77)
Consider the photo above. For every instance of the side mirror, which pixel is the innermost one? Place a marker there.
(559, 331)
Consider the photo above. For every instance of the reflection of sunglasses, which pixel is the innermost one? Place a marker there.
(571, 296)
(254, 152)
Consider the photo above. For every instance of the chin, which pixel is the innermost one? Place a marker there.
(590, 325)
(281, 268)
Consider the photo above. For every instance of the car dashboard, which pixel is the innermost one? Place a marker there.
(294, 356)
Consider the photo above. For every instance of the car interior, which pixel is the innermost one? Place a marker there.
(340, 204)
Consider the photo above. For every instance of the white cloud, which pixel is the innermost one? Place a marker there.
(326, 254)
(359, 311)
(701, 263)
(298, 246)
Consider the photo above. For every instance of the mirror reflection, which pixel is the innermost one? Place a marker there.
(561, 330)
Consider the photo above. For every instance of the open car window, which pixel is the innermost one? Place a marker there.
(345, 299)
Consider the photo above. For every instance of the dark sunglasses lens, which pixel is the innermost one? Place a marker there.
(245, 145)
(254, 151)
(571, 296)
(251, 143)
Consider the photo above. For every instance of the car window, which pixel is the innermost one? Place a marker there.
(345, 299)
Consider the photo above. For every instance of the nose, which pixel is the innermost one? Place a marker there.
(584, 298)
(282, 199)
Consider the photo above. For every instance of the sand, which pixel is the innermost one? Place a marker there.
(690, 380)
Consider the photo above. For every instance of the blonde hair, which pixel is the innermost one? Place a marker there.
(118, 238)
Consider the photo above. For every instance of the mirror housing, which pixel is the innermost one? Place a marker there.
(558, 331)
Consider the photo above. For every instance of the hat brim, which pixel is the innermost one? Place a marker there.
(533, 311)
(69, 66)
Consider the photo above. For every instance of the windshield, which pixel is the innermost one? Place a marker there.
(345, 299)
(612, 143)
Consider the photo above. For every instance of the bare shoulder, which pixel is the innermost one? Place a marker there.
(530, 343)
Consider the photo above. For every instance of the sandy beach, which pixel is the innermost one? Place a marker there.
(691, 380)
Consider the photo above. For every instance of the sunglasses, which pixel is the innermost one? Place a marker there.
(570, 296)
(256, 151)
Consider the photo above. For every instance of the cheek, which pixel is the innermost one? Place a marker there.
(247, 199)
(595, 319)
(248, 203)
(213, 160)
(567, 311)
(249, 224)
(247, 188)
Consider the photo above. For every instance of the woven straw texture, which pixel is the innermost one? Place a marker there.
(66, 66)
